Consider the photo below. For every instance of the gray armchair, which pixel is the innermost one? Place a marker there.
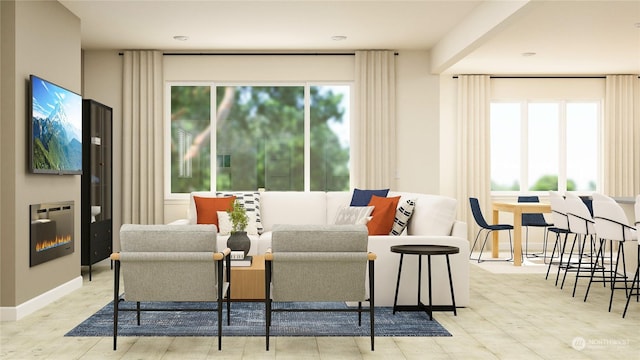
(170, 263)
(319, 263)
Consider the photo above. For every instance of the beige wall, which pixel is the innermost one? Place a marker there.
(417, 94)
(418, 110)
(42, 38)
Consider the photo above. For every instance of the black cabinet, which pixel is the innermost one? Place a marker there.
(97, 195)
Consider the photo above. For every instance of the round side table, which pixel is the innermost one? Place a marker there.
(428, 250)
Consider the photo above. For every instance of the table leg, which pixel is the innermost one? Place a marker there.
(419, 279)
(496, 244)
(517, 236)
(395, 299)
(453, 298)
(430, 297)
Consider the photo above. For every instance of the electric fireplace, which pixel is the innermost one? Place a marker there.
(51, 234)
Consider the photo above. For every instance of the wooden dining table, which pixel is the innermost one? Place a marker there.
(517, 209)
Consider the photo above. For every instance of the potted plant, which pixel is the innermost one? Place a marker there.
(238, 240)
(238, 217)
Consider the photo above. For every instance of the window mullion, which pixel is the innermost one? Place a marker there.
(562, 151)
(307, 137)
(213, 118)
(524, 146)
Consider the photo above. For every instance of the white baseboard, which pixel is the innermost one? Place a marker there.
(40, 301)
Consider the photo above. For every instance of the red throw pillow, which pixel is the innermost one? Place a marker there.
(384, 212)
(207, 208)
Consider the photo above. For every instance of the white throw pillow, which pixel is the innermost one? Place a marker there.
(224, 222)
(403, 215)
(353, 215)
(250, 201)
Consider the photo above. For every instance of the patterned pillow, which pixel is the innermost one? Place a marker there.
(354, 215)
(403, 214)
(250, 201)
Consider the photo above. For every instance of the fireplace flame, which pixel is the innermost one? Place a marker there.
(49, 244)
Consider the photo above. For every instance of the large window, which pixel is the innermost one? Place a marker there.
(541, 146)
(283, 137)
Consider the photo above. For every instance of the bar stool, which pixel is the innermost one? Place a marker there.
(636, 279)
(581, 224)
(561, 227)
(611, 224)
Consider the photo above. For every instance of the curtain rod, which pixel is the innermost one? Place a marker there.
(257, 54)
(542, 77)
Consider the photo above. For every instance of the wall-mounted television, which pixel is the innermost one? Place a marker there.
(55, 131)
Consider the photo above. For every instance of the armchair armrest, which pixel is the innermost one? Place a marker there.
(222, 254)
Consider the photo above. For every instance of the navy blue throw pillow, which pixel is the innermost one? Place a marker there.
(362, 197)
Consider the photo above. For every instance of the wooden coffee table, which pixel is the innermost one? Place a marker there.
(247, 282)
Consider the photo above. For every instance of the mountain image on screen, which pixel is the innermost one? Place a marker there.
(56, 128)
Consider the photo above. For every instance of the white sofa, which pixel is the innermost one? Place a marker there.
(433, 222)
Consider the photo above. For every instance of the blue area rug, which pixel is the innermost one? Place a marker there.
(247, 319)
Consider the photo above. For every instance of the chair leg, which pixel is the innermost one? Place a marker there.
(593, 270)
(575, 284)
(484, 243)
(569, 261)
(116, 301)
(138, 312)
(555, 246)
(560, 264)
(267, 301)
(615, 274)
(372, 301)
(474, 244)
(636, 280)
(220, 295)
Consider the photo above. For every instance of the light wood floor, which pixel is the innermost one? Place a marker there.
(512, 316)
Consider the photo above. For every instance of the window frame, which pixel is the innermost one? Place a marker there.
(168, 195)
(562, 144)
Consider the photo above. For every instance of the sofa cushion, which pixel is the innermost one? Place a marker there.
(353, 215)
(384, 212)
(362, 197)
(403, 215)
(294, 207)
(251, 202)
(432, 215)
(207, 208)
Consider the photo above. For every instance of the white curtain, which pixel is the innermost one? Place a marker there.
(374, 131)
(622, 136)
(473, 152)
(142, 138)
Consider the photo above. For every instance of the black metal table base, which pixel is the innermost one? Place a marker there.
(426, 250)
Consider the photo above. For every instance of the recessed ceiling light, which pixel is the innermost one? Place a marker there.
(338, 38)
(528, 53)
(181, 38)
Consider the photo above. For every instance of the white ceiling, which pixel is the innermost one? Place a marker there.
(568, 37)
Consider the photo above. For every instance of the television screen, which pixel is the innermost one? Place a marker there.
(56, 128)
